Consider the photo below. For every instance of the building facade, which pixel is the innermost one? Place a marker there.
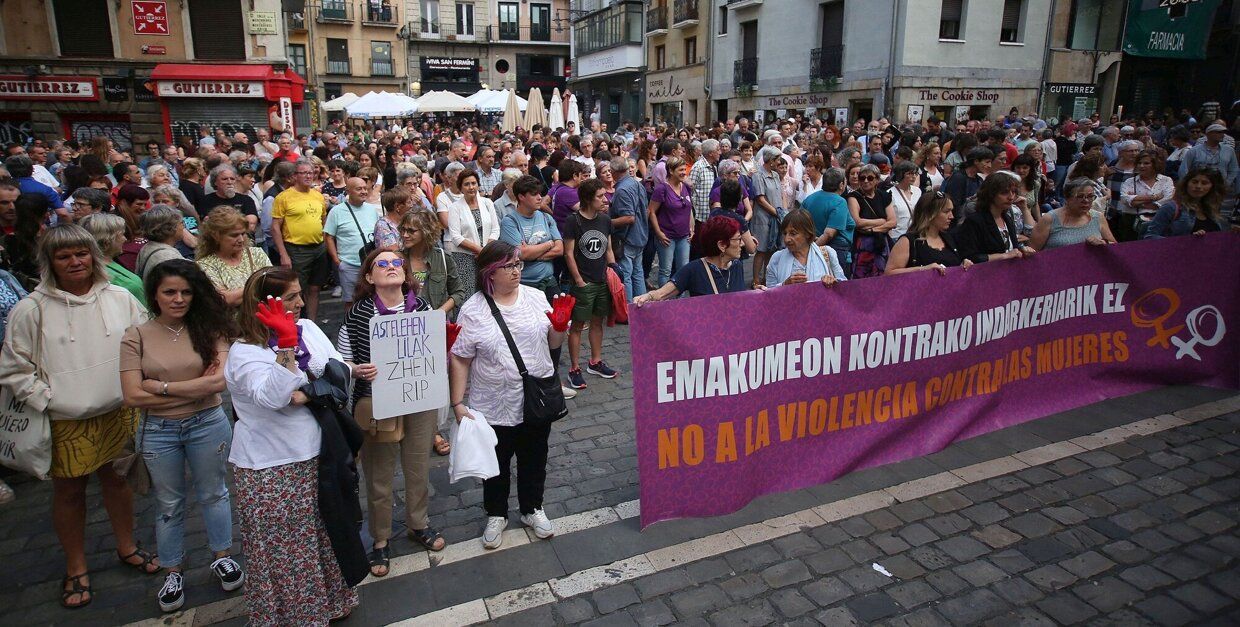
(678, 38)
(354, 46)
(609, 60)
(906, 59)
(135, 70)
(463, 45)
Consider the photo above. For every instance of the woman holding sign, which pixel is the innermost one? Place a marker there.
(483, 362)
(293, 576)
(387, 287)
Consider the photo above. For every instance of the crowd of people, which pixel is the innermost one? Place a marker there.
(526, 240)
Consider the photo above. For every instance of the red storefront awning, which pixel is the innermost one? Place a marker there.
(190, 80)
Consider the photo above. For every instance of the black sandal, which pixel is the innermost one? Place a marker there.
(148, 559)
(79, 589)
(381, 556)
(427, 538)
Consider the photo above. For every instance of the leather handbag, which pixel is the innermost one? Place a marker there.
(543, 398)
(132, 467)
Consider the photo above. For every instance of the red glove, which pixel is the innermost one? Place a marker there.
(453, 331)
(561, 312)
(282, 323)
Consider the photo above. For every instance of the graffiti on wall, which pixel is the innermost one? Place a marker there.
(190, 128)
(119, 132)
(20, 131)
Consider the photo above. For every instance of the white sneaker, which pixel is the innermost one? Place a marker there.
(539, 522)
(568, 392)
(493, 535)
(336, 292)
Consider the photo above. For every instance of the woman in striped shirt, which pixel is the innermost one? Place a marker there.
(387, 288)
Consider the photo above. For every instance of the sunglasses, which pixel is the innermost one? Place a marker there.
(390, 263)
(867, 178)
(404, 230)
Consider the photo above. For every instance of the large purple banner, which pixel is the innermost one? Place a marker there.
(742, 395)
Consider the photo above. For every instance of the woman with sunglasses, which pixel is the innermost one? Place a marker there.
(293, 575)
(388, 287)
(871, 209)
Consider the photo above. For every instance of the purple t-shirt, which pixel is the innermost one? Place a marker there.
(674, 210)
(563, 198)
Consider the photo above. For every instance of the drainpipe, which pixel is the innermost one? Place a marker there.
(888, 88)
(1046, 60)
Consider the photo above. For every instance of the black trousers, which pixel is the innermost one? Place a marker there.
(529, 444)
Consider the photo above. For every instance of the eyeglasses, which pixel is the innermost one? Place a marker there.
(516, 265)
(390, 263)
(405, 230)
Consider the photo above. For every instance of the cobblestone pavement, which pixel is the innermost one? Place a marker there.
(1140, 532)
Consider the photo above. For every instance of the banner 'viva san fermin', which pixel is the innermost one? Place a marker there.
(751, 393)
(1171, 29)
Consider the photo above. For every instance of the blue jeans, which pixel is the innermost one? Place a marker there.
(203, 440)
(671, 258)
(632, 274)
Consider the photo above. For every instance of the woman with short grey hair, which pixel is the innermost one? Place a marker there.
(506, 203)
(162, 226)
(109, 232)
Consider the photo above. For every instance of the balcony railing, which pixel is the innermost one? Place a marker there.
(740, 4)
(380, 14)
(382, 67)
(685, 12)
(656, 19)
(526, 34)
(336, 11)
(827, 62)
(338, 67)
(745, 73)
(295, 22)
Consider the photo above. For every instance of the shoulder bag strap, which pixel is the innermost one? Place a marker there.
(710, 275)
(358, 224)
(512, 346)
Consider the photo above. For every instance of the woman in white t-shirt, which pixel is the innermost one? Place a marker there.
(904, 196)
(293, 577)
(483, 363)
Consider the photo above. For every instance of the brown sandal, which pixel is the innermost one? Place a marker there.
(148, 560)
(77, 588)
(442, 445)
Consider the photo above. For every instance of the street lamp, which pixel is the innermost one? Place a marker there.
(486, 87)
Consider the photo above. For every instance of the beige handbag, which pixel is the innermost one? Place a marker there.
(386, 430)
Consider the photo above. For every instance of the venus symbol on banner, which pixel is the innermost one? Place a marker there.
(411, 353)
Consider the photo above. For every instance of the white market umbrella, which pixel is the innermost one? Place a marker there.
(382, 105)
(512, 113)
(574, 113)
(339, 103)
(535, 112)
(556, 118)
(444, 102)
(495, 101)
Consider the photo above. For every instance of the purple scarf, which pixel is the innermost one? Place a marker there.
(411, 304)
(301, 352)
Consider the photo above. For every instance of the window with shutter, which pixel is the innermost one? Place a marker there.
(83, 28)
(218, 29)
(950, 19)
(1009, 30)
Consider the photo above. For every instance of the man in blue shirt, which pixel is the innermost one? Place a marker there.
(349, 226)
(21, 168)
(629, 224)
(832, 221)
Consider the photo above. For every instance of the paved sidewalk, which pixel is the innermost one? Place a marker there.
(1138, 532)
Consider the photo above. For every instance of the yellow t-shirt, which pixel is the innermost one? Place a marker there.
(302, 215)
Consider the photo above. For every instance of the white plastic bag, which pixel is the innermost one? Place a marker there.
(473, 449)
